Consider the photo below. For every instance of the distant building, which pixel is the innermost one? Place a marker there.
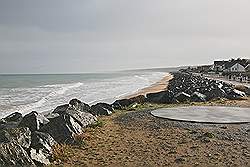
(219, 66)
(238, 65)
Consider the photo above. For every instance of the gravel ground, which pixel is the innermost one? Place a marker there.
(136, 138)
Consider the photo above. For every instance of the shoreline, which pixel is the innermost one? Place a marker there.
(158, 86)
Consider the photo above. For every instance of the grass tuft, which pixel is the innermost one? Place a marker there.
(98, 123)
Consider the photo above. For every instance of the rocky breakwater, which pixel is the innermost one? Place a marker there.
(186, 87)
(28, 140)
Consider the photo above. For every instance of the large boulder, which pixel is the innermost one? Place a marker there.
(11, 121)
(62, 128)
(41, 148)
(182, 97)
(235, 94)
(34, 121)
(140, 99)
(14, 117)
(119, 104)
(215, 93)
(198, 97)
(164, 97)
(82, 118)
(78, 105)
(21, 136)
(12, 154)
(60, 109)
(80, 115)
(101, 109)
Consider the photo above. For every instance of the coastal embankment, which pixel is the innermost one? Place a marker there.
(124, 133)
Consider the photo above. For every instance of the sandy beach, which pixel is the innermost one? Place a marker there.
(156, 87)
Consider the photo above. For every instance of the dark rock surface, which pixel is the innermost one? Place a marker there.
(41, 148)
(119, 104)
(28, 140)
(11, 121)
(235, 94)
(182, 97)
(62, 128)
(12, 154)
(78, 105)
(200, 88)
(140, 99)
(101, 109)
(34, 121)
(161, 97)
(14, 117)
(198, 97)
(21, 136)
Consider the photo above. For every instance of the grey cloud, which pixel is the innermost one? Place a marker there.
(94, 35)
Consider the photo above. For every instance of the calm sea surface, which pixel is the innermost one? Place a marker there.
(43, 92)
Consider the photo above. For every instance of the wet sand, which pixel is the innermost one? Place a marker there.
(156, 87)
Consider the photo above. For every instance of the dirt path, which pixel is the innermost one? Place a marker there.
(136, 138)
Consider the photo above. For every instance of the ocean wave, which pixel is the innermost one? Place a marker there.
(56, 90)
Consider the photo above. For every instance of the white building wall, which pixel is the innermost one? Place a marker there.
(237, 68)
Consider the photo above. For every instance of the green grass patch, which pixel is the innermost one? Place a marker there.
(98, 123)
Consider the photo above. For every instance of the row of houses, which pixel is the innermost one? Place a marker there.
(233, 65)
(233, 69)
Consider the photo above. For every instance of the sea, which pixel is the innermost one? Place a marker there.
(44, 92)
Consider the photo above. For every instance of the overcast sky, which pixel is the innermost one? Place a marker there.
(58, 36)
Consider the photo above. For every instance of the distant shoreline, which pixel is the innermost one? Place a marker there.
(156, 87)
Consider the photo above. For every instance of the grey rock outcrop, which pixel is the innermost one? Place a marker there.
(198, 97)
(164, 97)
(235, 94)
(12, 154)
(62, 128)
(119, 104)
(11, 121)
(34, 121)
(21, 136)
(78, 105)
(182, 97)
(41, 148)
(101, 109)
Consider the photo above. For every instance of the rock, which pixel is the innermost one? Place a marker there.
(62, 128)
(21, 136)
(34, 121)
(215, 93)
(140, 99)
(82, 118)
(39, 158)
(60, 109)
(101, 109)
(119, 104)
(235, 94)
(198, 97)
(11, 121)
(161, 97)
(12, 154)
(78, 105)
(41, 148)
(182, 97)
(14, 117)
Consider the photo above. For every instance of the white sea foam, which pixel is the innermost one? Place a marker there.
(46, 97)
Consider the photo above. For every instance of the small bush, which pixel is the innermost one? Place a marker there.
(209, 135)
(98, 123)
